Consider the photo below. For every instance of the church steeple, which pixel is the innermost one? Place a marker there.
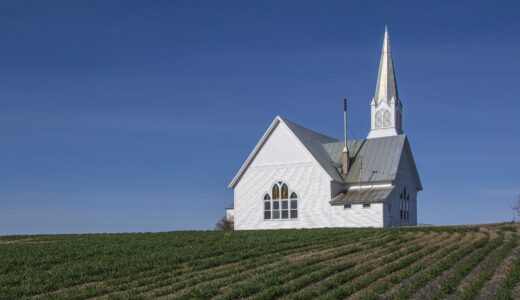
(386, 108)
(386, 87)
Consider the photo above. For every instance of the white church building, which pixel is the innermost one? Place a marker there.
(299, 178)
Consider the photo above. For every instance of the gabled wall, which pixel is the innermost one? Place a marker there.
(283, 158)
(405, 178)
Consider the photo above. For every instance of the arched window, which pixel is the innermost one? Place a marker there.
(276, 192)
(401, 204)
(279, 205)
(399, 120)
(405, 204)
(408, 206)
(267, 207)
(285, 191)
(379, 119)
(387, 119)
(294, 205)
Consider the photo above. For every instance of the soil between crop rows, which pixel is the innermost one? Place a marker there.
(461, 262)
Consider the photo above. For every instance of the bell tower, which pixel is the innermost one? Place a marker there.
(386, 107)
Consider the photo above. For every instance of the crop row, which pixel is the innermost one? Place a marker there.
(189, 277)
(298, 276)
(511, 281)
(60, 264)
(294, 264)
(391, 279)
(282, 266)
(473, 289)
(437, 269)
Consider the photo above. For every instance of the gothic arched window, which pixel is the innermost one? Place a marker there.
(276, 192)
(387, 119)
(399, 120)
(294, 205)
(405, 204)
(279, 205)
(267, 207)
(379, 119)
(285, 191)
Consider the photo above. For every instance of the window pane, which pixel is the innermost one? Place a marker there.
(366, 205)
(267, 215)
(276, 192)
(285, 214)
(276, 204)
(285, 204)
(285, 191)
(267, 197)
(346, 206)
(276, 214)
(294, 196)
(294, 214)
(294, 204)
(267, 205)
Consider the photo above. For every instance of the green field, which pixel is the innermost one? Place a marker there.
(471, 262)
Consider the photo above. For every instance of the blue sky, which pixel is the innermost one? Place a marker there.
(135, 115)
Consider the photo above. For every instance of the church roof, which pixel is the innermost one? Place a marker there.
(364, 195)
(311, 140)
(372, 160)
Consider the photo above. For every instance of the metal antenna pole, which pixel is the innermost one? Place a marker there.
(360, 173)
(345, 121)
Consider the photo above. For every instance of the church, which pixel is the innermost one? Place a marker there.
(298, 178)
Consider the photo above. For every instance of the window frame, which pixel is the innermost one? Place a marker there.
(286, 203)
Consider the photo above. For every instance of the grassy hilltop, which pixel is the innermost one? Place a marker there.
(396, 263)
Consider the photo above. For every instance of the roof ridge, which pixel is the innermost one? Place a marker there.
(361, 140)
(289, 122)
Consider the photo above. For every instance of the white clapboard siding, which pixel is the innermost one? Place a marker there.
(357, 216)
(404, 178)
(283, 158)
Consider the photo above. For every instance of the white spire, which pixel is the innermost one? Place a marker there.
(386, 88)
(386, 107)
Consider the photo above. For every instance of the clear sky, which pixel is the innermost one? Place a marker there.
(135, 115)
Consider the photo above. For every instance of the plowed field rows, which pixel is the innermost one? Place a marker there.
(466, 262)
